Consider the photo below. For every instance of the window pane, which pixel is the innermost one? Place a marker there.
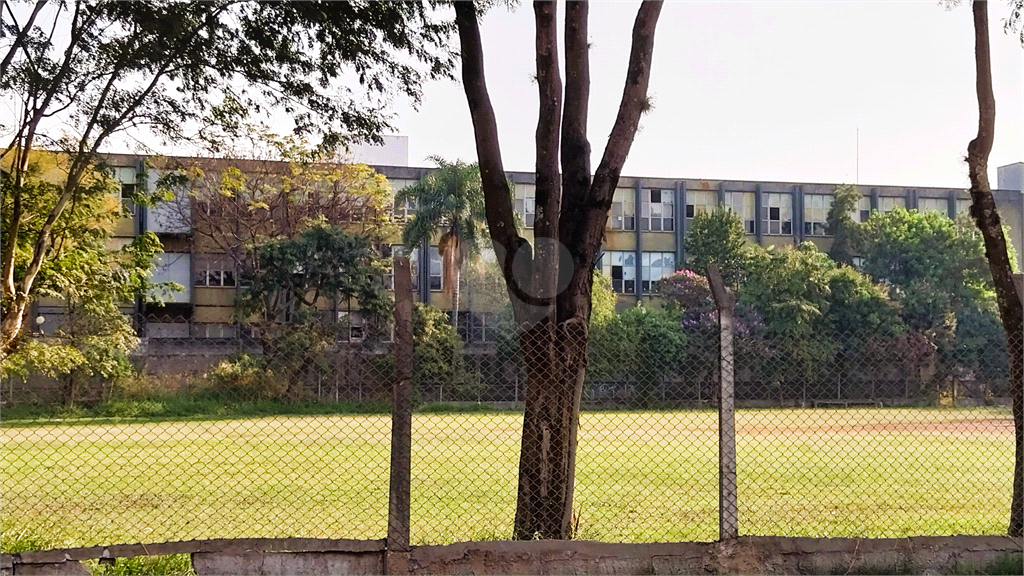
(229, 278)
(214, 278)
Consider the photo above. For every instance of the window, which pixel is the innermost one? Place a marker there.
(215, 272)
(396, 251)
(654, 266)
(816, 207)
(127, 203)
(863, 210)
(623, 213)
(406, 208)
(477, 327)
(352, 326)
(777, 214)
(742, 204)
(940, 205)
(221, 331)
(621, 266)
(435, 281)
(526, 203)
(656, 210)
(700, 201)
(888, 203)
(963, 205)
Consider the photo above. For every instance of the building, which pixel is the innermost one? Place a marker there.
(646, 226)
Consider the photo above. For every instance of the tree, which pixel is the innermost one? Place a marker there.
(718, 237)
(641, 345)
(550, 281)
(290, 281)
(986, 217)
(93, 336)
(123, 67)
(841, 226)
(934, 267)
(452, 200)
(269, 191)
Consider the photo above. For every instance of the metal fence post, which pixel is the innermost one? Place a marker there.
(728, 527)
(401, 414)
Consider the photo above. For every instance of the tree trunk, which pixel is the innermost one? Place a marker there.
(13, 323)
(456, 293)
(983, 210)
(550, 286)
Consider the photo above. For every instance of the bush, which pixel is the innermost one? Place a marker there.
(246, 377)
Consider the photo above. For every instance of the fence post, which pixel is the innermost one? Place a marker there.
(728, 527)
(401, 414)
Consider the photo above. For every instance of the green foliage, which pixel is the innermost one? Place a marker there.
(90, 280)
(450, 199)
(323, 261)
(933, 266)
(718, 237)
(246, 377)
(790, 288)
(641, 344)
(602, 299)
(436, 355)
(847, 235)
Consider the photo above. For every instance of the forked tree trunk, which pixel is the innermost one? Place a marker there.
(550, 283)
(983, 210)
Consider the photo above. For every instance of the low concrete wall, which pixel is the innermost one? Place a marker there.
(745, 555)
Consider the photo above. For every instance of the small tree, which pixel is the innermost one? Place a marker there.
(290, 283)
(986, 217)
(717, 237)
(90, 280)
(846, 233)
(156, 67)
(452, 200)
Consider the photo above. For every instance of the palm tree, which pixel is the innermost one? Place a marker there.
(450, 199)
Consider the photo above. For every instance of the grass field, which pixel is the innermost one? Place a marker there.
(640, 476)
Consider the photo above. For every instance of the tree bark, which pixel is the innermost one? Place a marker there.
(552, 319)
(983, 210)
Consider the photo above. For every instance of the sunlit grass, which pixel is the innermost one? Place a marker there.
(641, 476)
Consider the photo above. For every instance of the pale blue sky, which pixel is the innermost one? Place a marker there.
(762, 90)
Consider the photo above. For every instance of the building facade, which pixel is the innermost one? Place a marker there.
(643, 242)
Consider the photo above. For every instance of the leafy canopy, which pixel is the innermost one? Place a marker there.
(717, 237)
(291, 275)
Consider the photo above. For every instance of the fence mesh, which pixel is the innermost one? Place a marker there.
(286, 433)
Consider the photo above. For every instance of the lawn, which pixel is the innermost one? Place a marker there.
(640, 476)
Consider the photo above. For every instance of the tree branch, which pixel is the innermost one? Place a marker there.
(548, 195)
(497, 196)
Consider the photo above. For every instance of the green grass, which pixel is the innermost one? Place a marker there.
(640, 476)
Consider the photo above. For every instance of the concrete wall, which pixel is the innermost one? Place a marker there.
(745, 555)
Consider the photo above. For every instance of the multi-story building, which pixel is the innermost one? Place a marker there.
(644, 239)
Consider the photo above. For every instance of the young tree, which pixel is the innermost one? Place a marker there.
(717, 237)
(846, 233)
(550, 282)
(290, 280)
(90, 280)
(983, 210)
(120, 67)
(450, 199)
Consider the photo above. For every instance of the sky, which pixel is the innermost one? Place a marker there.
(761, 90)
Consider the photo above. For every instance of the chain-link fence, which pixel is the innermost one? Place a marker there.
(285, 430)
